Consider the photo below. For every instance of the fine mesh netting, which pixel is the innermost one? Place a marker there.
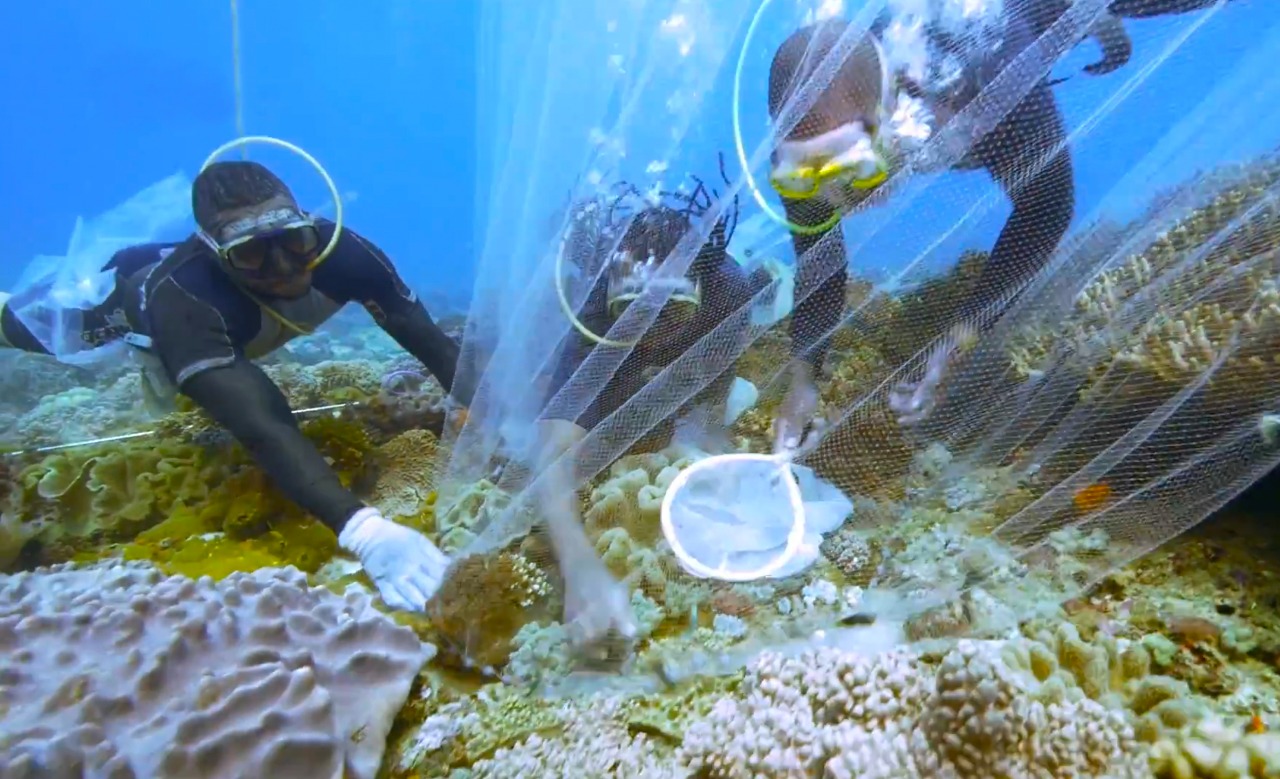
(1032, 282)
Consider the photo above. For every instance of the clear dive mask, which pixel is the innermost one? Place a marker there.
(629, 278)
(267, 243)
(845, 158)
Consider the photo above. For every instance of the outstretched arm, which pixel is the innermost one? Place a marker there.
(191, 339)
(243, 400)
(822, 272)
(1028, 156)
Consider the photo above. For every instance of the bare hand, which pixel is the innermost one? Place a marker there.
(797, 410)
(914, 401)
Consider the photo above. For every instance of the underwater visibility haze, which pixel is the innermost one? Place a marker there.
(748, 388)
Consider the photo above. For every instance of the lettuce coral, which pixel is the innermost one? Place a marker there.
(82, 497)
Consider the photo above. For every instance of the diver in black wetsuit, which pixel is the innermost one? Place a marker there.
(820, 177)
(239, 288)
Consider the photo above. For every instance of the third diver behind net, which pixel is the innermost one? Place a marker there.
(623, 251)
(856, 135)
(239, 288)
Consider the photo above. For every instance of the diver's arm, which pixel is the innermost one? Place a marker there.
(367, 275)
(190, 336)
(418, 334)
(593, 317)
(1032, 137)
(821, 276)
(242, 399)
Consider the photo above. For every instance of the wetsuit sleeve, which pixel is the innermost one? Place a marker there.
(822, 272)
(594, 315)
(244, 400)
(372, 280)
(191, 338)
(1028, 156)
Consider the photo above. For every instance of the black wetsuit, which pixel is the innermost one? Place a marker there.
(725, 286)
(205, 331)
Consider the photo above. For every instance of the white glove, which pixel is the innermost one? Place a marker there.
(405, 565)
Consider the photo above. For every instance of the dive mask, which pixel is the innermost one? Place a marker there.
(255, 244)
(847, 157)
(629, 278)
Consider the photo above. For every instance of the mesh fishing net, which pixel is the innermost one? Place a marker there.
(978, 412)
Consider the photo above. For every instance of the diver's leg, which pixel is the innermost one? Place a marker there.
(15, 335)
(1139, 9)
(66, 330)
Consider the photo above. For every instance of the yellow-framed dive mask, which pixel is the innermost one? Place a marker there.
(845, 158)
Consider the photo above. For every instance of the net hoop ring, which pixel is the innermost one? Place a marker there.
(794, 539)
(298, 150)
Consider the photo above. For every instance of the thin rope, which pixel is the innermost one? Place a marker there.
(235, 67)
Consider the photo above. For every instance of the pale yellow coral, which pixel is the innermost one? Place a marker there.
(1192, 311)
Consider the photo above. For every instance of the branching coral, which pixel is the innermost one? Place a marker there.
(1202, 289)
(110, 493)
(978, 713)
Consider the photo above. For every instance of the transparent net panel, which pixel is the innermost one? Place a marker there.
(1051, 368)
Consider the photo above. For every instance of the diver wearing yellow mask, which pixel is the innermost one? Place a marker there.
(847, 144)
(875, 113)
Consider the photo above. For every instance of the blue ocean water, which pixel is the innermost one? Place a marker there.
(103, 99)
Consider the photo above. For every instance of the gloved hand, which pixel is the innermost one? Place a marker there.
(403, 563)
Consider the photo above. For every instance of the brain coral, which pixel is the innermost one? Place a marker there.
(119, 672)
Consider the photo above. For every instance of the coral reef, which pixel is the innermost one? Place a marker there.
(259, 675)
(1224, 303)
(979, 711)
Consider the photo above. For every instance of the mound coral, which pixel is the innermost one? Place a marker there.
(406, 478)
(259, 675)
